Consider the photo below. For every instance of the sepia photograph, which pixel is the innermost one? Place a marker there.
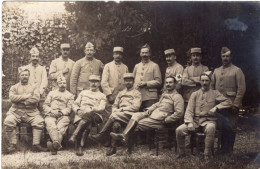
(130, 85)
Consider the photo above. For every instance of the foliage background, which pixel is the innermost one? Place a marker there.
(178, 25)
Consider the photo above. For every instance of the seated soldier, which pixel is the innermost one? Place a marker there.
(88, 107)
(200, 115)
(126, 104)
(169, 109)
(57, 108)
(24, 98)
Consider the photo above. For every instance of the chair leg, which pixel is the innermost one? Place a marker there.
(157, 144)
(197, 145)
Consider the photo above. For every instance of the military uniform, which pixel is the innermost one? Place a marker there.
(189, 86)
(169, 109)
(126, 104)
(56, 68)
(82, 69)
(151, 74)
(61, 101)
(230, 81)
(112, 78)
(38, 77)
(202, 101)
(24, 110)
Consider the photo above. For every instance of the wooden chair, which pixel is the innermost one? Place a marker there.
(198, 137)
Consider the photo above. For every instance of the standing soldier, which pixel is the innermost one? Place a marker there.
(112, 78)
(24, 97)
(38, 75)
(126, 104)
(230, 81)
(191, 75)
(57, 108)
(200, 115)
(83, 68)
(147, 78)
(174, 68)
(89, 109)
(61, 66)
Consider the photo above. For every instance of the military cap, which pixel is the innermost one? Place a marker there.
(22, 69)
(146, 46)
(94, 78)
(207, 73)
(118, 49)
(89, 45)
(169, 51)
(178, 77)
(34, 51)
(225, 51)
(195, 50)
(171, 76)
(61, 78)
(65, 45)
(128, 75)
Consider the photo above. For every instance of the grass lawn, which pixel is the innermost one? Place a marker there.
(94, 157)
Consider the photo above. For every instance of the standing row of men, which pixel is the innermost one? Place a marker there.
(146, 78)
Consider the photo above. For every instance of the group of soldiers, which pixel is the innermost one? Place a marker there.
(93, 91)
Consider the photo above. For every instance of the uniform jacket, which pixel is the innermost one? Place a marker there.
(151, 74)
(38, 77)
(169, 108)
(88, 100)
(56, 68)
(189, 86)
(112, 78)
(127, 101)
(81, 71)
(57, 100)
(174, 70)
(201, 101)
(230, 82)
(20, 105)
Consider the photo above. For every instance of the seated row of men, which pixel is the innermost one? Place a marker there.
(90, 105)
(228, 79)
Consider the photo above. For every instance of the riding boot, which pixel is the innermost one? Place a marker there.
(78, 130)
(123, 136)
(104, 131)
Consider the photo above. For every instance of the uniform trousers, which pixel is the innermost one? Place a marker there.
(182, 131)
(57, 127)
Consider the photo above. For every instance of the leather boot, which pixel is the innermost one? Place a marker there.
(38, 148)
(11, 149)
(50, 147)
(78, 130)
(123, 136)
(85, 134)
(106, 128)
(79, 151)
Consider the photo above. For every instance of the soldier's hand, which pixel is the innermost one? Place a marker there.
(235, 109)
(149, 112)
(27, 96)
(203, 113)
(142, 84)
(65, 70)
(110, 99)
(191, 127)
